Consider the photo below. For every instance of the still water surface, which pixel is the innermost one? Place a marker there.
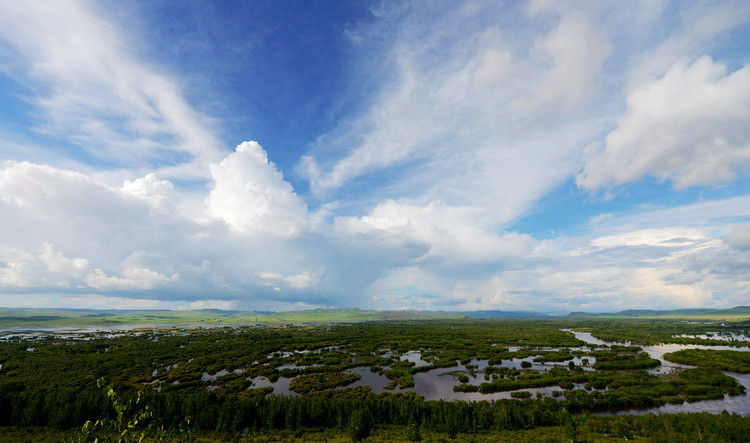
(438, 384)
(739, 403)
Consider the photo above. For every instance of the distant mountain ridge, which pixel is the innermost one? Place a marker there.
(506, 314)
(737, 311)
(82, 317)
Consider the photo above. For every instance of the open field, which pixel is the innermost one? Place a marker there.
(64, 317)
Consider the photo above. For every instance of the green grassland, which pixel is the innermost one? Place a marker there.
(70, 318)
(62, 317)
(736, 314)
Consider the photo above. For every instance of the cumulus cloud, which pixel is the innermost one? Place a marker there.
(304, 280)
(656, 258)
(89, 237)
(688, 127)
(250, 194)
(450, 233)
(56, 262)
(46, 267)
(17, 269)
(149, 188)
(132, 278)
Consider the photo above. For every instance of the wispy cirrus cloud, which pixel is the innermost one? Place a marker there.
(94, 91)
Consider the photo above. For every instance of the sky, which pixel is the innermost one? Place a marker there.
(452, 155)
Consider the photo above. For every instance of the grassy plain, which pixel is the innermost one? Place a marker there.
(17, 317)
(62, 317)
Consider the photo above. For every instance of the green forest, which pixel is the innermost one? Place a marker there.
(223, 384)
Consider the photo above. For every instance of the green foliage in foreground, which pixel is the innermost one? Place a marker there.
(357, 410)
(733, 361)
(651, 428)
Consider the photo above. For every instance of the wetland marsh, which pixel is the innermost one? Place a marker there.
(536, 365)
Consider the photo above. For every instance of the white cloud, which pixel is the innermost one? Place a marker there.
(250, 194)
(17, 269)
(133, 278)
(226, 305)
(304, 280)
(467, 114)
(661, 258)
(98, 94)
(49, 267)
(578, 48)
(149, 188)
(739, 237)
(56, 262)
(451, 233)
(688, 127)
(664, 237)
(474, 112)
(698, 27)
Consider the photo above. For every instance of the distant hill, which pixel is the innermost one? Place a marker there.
(733, 314)
(82, 317)
(355, 314)
(505, 314)
(642, 312)
(25, 317)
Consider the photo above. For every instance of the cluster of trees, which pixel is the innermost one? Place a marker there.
(355, 411)
(607, 390)
(653, 332)
(319, 382)
(733, 361)
(623, 357)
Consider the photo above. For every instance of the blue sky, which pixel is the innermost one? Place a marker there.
(445, 155)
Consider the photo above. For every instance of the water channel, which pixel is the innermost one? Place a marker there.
(437, 384)
(738, 403)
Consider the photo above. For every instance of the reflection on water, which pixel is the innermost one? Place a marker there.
(211, 377)
(101, 331)
(437, 384)
(724, 336)
(414, 357)
(739, 403)
(280, 387)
